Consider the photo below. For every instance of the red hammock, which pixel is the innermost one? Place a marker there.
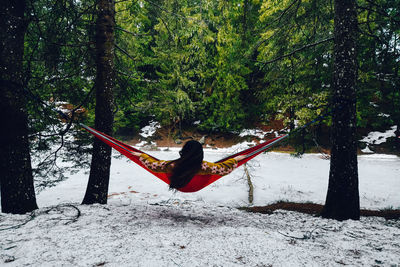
(199, 181)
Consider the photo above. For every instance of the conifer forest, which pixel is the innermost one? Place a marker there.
(215, 65)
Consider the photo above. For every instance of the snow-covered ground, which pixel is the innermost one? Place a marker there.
(276, 176)
(376, 138)
(145, 224)
(257, 132)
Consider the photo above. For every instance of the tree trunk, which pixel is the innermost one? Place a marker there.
(99, 177)
(342, 200)
(16, 180)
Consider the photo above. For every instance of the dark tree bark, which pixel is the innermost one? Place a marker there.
(342, 200)
(99, 177)
(16, 179)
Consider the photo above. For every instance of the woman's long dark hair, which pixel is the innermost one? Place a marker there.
(187, 165)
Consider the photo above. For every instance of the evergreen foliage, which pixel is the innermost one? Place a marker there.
(229, 64)
(225, 63)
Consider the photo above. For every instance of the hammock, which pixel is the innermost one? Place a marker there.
(199, 181)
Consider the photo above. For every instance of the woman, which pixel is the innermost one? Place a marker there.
(188, 165)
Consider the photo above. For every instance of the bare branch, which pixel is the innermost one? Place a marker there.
(278, 19)
(287, 9)
(297, 50)
(124, 52)
(132, 33)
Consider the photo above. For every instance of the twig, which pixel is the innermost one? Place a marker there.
(124, 52)
(278, 19)
(59, 208)
(62, 207)
(324, 155)
(31, 217)
(297, 50)
(287, 9)
(175, 262)
(132, 33)
(306, 235)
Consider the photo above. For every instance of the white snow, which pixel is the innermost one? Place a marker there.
(150, 129)
(256, 132)
(145, 224)
(384, 115)
(379, 137)
(367, 150)
(141, 144)
(145, 144)
(326, 85)
(373, 104)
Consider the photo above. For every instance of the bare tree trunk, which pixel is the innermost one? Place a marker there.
(396, 106)
(342, 200)
(16, 179)
(99, 177)
(250, 183)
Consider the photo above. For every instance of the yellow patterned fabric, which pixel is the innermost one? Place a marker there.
(222, 168)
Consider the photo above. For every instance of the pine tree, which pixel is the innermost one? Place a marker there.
(16, 180)
(99, 177)
(342, 200)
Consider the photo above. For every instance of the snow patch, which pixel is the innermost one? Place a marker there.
(256, 132)
(377, 138)
(367, 150)
(150, 129)
(384, 115)
(373, 104)
(141, 144)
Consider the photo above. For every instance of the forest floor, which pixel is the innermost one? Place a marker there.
(130, 231)
(145, 224)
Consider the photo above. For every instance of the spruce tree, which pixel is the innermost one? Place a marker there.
(16, 180)
(99, 177)
(342, 200)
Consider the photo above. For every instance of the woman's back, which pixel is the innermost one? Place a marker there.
(166, 166)
(190, 163)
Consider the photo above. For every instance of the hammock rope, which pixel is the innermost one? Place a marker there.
(199, 181)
